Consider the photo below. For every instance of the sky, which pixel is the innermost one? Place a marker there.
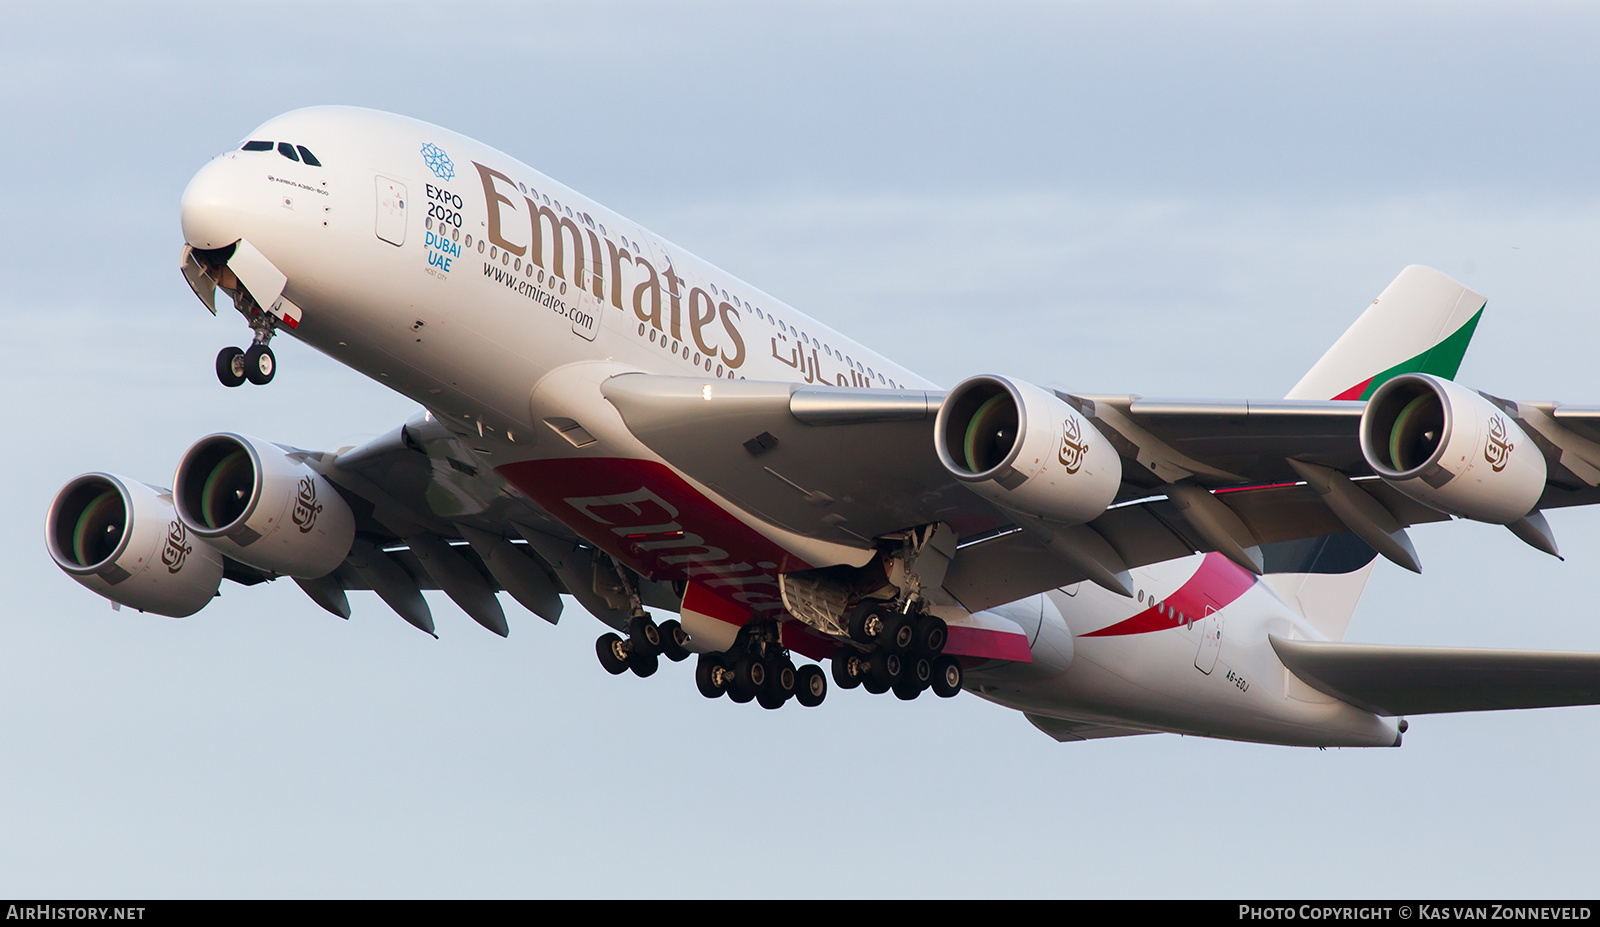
(1186, 199)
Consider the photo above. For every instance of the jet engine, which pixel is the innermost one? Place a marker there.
(123, 540)
(1024, 449)
(1451, 449)
(263, 506)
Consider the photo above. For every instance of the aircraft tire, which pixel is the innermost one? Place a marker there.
(781, 679)
(750, 676)
(644, 634)
(887, 668)
(931, 635)
(613, 653)
(643, 664)
(811, 686)
(673, 639)
(705, 675)
(842, 677)
(260, 364)
(898, 634)
(770, 700)
(864, 620)
(230, 366)
(946, 677)
(739, 695)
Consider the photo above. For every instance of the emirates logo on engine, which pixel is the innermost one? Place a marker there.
(1073, 447)
(306, 506)
(1497, 451)
(177, 550)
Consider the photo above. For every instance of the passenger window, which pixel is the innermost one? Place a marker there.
(307, 156)
(287, 150)
(256, 146)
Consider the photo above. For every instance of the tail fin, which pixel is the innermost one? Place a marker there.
(1420, 323)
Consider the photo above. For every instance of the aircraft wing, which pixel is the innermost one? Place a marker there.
(430, 515)
(1389, 680)
(851, 465)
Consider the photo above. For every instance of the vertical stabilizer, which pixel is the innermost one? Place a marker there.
(1420, 323)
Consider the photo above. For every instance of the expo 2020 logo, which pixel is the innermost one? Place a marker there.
(438, 161)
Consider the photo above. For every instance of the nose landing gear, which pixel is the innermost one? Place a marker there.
(256, 363)
(236, 365)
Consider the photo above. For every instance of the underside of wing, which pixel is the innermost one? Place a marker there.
(1390, 680)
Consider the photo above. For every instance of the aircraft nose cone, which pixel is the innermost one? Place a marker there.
(210, 208)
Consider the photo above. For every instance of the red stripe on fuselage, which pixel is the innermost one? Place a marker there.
(1218, 582)
(651, 519)
(987, 644)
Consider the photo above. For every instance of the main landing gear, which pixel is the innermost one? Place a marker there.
(904, 654)
(646, 643)
(758, 667)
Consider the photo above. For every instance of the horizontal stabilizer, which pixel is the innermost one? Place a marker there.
(1389, 680)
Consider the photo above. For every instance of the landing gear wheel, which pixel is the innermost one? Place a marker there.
(865, 622)
(643, 664)
(770, 700)
(613, 653)
(709, 675)
(739, 695)
(846, 668)
(811, 686)
(750, 676)
(946, 677)
(781, 679)
(898, 634)
(931, 636)
(918, 675)
(230, 366)
(644, 634)
(887, 668)
(673, 639)
(260, 364)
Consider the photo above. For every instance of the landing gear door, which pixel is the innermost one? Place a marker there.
(391, 210)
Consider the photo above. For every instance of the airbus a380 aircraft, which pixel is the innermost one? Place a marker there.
(610, 418)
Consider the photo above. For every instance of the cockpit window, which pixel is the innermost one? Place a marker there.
(307, 156)
(256, 146)
(287, 150)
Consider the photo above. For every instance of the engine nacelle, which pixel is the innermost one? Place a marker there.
(1451, 449)
(262, 507)
(1024, 449)
(122, 539)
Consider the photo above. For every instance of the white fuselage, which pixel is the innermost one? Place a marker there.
(411, 252)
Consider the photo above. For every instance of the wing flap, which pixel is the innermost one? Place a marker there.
(1390, 680)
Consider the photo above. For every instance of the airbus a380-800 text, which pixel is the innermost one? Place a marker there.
(611, 419)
